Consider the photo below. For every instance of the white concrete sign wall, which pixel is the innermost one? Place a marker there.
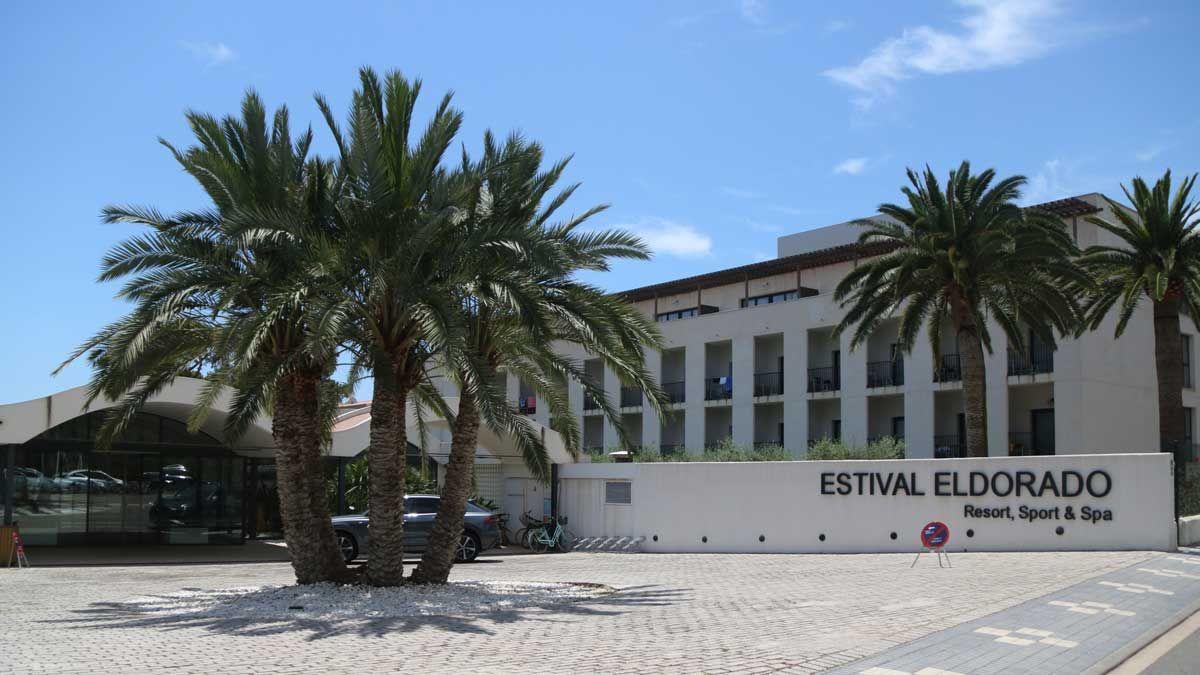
(1076, 502)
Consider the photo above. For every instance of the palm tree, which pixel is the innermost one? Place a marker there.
(963, 255)
(393, 259)
(1156, 256)
(519, 304)
(207, 290)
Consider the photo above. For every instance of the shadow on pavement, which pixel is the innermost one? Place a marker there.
(215, 618)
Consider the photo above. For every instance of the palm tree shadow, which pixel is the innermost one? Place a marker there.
(216, 617)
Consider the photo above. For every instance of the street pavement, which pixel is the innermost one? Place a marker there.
(669, 613)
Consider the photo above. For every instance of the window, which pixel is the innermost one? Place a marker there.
(688, 313)
(898, 428)
(835, 430)
(618, 492)
(1187, 362)
(768, 299)
(1189, 415)
(677, 315)
(419, 505)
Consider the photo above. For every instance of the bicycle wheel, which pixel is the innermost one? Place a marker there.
(566, 541)
(519, 537)
(538, 541)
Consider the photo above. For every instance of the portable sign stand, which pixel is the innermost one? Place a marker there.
(17, 552)
(934, 537)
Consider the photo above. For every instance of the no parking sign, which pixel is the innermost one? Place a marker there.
(935, 535)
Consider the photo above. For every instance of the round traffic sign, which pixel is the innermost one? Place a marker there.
(935, 535)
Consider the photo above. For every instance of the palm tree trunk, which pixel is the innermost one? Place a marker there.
(386, 454)
(447, 528)
(1168, 363)
(974, 388)
(307, 528)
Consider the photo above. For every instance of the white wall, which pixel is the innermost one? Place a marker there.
(733, 504)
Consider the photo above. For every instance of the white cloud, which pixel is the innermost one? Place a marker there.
(211, 53)
(740, 193)
(754, 11)
(852, 166)
(837, 25)
(668, 237)
(763, 227)
(994, 34)
(1147, 154)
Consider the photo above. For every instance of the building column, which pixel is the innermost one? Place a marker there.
(853, 392)
(795, 392)
(742, 414)
(512, 389)
(996, 371)
(693, 425)
(918, 399)
(575, 402)
(651, 425)
(612, 394)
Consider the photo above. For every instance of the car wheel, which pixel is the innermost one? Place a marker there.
(468, 547)
(347, 545)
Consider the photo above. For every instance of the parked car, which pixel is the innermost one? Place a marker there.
(27, 479)
(481, 529)
(77, 481)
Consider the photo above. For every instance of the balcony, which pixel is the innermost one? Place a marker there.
(948, 369)
(675, 391)
(885, 373)
(631, 397)
(768, 384)
(824, 379)
(1023, 444)
(1040, 359)
(766, 445)
(718, 388)
(527, 405)
(948, 446)
(590, 403)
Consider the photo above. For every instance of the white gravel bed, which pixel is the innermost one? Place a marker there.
(331, 601)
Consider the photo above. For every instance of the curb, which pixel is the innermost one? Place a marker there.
(1139, 643)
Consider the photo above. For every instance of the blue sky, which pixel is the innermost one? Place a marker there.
(711, 127)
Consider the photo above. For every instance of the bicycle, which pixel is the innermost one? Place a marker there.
(552, 535)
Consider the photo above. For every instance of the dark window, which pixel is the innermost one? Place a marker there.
(677, 315)
(618, 492)
(1187, 362)
(768, 299)
(417, 505)
(835, 430)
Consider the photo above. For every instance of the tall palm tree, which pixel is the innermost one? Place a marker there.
(519, 304)
(962, 255)
(1155, 256)
(208, 290)
(393, 260)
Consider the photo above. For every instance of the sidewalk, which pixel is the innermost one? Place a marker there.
(1087, 628)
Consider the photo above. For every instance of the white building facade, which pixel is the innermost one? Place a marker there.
(751, 358)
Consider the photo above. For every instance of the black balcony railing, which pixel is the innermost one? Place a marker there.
(885, 373)
(675, 391)
(1022, 444)
(1039, 359)
(945, 447)
(590, 403)
(824, 379)
(948, 368)
(762, 445)
(631, 397)
(768, 384)
(718, 388)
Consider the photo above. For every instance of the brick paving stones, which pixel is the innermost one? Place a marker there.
(672, 613)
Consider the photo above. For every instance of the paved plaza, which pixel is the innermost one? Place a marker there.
(674, 613)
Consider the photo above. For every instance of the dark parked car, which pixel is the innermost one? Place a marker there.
(481, 529)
